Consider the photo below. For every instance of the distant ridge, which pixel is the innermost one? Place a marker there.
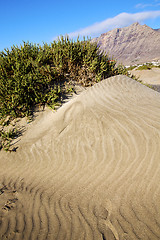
(158, 30)
(130, 45)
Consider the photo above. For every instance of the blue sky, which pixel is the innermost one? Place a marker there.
(40, 21)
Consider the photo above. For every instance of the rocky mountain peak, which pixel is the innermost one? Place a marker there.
(133, 44)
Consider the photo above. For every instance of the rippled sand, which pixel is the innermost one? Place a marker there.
(89, 171)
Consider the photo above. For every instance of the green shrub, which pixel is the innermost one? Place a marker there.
(25, 80)
(32, 74)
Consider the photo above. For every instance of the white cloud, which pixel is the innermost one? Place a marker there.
(141, 5)
(121, 20)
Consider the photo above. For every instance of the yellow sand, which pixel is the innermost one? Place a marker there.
(91, 170)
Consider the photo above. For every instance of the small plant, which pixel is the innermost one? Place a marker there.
(6, 138)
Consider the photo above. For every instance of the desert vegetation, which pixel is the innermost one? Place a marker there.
(145, 66)
(32, 74)
(6, 138)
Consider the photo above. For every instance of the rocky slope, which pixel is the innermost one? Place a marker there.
(130, 45)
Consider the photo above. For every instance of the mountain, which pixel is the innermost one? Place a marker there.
(130, 45)
(158, 30)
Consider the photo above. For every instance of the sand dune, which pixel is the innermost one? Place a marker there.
(151, 77)
(89, 171)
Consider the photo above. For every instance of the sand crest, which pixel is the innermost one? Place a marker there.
(89, 171)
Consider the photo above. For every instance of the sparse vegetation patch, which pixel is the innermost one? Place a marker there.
(147, 66)
(6, 138)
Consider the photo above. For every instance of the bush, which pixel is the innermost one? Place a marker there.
(32, 74)
(25, 80)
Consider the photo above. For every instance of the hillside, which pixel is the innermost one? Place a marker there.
(130, 45)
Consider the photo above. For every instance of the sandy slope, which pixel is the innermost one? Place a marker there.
(89, 171)
(151, 77)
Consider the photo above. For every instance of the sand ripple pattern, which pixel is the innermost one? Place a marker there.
(91, 172)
